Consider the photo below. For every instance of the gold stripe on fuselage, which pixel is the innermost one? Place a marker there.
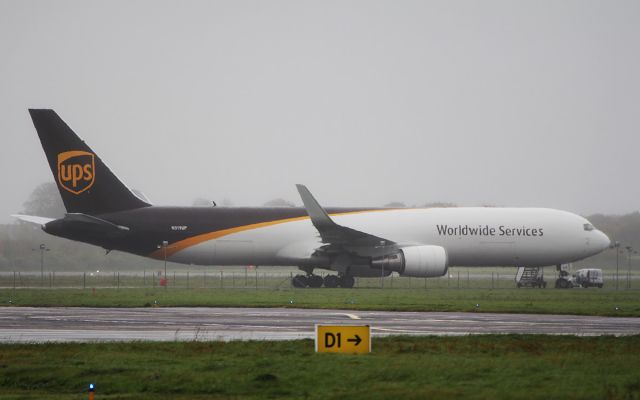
(180, 245)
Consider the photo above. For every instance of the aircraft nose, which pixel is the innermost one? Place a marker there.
(602, 241)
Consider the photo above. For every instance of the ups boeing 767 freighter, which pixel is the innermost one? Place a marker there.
(355, 242)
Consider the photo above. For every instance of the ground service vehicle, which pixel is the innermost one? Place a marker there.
(589, 277)
(530, 277)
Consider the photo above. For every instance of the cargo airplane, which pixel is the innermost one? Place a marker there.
(354, 242)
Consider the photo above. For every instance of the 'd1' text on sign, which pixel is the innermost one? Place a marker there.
(343, 338)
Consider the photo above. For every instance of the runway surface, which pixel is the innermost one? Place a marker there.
(27, 324)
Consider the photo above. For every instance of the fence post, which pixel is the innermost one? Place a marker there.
(14, 282)
(221, 279)
(256, 278)
(50, 280)
(187, 279)
(204, 279)
(84, 280)
(118, 280)
(458, 279)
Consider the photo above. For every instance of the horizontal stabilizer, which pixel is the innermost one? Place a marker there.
(89, 219)
(33, 219)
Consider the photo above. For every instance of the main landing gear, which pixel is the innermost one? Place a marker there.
(316, 281)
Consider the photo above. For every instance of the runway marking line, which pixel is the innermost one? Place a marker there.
(351, 316)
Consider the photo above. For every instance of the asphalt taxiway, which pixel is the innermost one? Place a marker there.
(31, 324)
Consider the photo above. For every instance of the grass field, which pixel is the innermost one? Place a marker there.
(476, 367)
(550, 301)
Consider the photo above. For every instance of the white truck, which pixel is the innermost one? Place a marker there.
(589, 277)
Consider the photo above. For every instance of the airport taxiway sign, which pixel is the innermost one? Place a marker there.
(343, 338)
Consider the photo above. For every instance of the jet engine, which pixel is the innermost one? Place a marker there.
(418, 261)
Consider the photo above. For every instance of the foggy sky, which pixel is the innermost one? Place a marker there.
(513, 103)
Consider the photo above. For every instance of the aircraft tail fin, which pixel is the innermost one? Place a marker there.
(85, 183)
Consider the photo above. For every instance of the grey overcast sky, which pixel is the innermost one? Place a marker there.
(513, 103)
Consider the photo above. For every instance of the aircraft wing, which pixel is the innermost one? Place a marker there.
(338, 237)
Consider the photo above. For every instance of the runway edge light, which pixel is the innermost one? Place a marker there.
(92, 390)
(352, 339)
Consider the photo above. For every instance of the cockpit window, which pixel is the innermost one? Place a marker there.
(588, 227)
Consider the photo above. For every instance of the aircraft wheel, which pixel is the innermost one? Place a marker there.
(299, 281)
(315, 281)
(563, 283)
(331, 281)
(347, 281)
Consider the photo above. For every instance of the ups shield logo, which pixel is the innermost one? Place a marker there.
(76, 170)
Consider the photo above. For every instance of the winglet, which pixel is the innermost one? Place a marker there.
(332, 233)
(318, 215)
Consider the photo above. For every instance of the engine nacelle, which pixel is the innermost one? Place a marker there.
(418, 261)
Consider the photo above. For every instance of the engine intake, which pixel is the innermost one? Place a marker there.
(418, 261)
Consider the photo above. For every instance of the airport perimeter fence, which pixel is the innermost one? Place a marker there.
(247, 279)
